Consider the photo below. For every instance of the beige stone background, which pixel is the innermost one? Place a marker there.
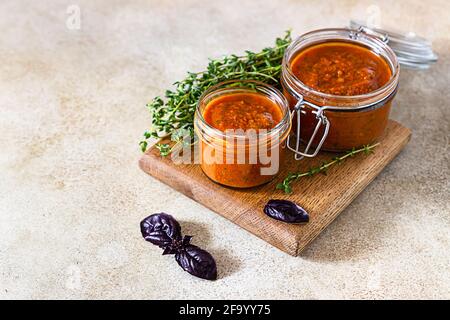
(71, 194)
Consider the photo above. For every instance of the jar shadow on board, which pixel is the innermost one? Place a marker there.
(350, 114)
(242, 127)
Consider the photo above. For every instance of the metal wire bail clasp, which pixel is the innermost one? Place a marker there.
(358, 28)
(321, 121)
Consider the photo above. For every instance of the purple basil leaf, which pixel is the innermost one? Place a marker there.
(286, 211)
(161, 229)
(197, 262)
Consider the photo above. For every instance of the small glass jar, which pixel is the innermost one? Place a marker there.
(332, 122)
(240, 159)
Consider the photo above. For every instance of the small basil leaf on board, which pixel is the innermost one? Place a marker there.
(161, 229)
(197, 262)
(286, 211)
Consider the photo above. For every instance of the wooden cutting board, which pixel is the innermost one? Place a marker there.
(323, 196)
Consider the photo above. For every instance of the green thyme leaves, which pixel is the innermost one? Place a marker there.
(176, 110)
(286, 184)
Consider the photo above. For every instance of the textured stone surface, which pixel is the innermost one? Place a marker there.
(71, 194)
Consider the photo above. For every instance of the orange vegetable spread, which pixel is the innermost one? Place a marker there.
(242, 111)
(239, 111)
(341, 68)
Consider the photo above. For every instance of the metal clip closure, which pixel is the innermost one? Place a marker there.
(321, 121)
(363, 29)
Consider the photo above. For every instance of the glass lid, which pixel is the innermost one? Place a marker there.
(412, 51)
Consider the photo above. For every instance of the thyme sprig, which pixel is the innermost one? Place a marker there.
(291, 177)
(178, 108)
(180, 138)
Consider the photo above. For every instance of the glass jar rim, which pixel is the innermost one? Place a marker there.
(349, 35)
(283, 126)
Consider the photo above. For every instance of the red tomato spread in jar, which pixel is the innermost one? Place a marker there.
(353, 80)
(340, 68)
(242, 111)
(223, 158)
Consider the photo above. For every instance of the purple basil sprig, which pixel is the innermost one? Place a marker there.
(162, 230)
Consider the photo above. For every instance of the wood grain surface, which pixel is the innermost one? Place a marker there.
(323, 196)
